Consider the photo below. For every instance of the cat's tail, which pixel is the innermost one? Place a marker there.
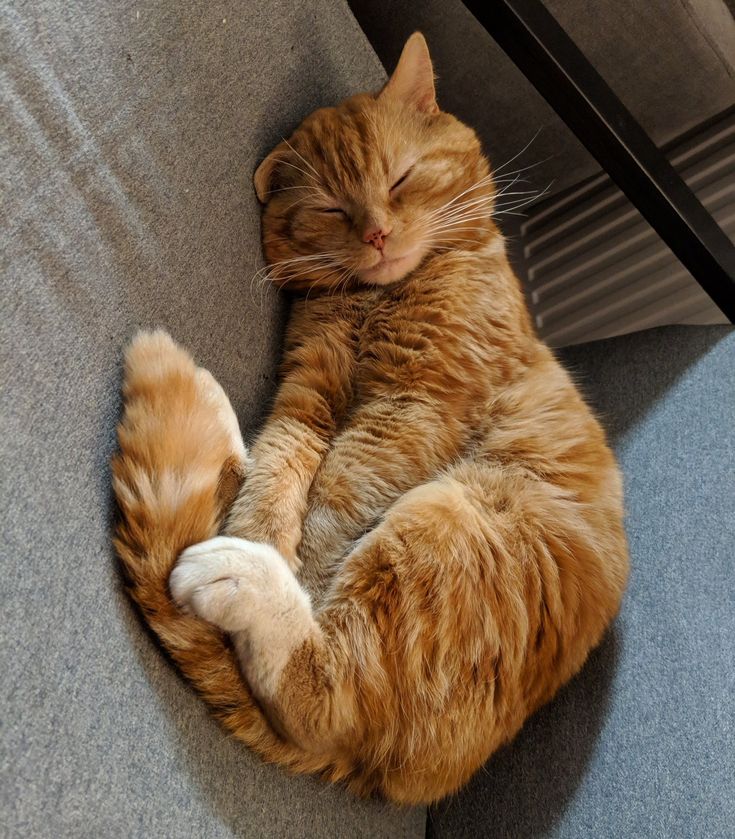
(180, 463)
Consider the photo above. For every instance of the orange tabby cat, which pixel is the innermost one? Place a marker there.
(428, 540)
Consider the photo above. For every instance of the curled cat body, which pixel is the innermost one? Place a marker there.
(426, 539)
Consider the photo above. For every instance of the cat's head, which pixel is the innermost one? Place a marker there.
(363, 192)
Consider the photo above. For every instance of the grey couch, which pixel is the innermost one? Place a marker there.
(130, 132)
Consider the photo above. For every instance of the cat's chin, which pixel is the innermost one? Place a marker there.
(391, 270)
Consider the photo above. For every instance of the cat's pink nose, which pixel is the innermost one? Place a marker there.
(376, 235)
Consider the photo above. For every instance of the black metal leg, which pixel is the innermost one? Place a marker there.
(551, 61)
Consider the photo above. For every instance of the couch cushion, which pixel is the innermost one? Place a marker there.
(130, 137)
(642, 742)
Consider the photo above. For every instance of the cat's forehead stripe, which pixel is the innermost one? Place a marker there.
(348, 147)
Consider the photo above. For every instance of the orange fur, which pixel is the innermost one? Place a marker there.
(443, 514)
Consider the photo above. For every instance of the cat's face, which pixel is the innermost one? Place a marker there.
(364, 191)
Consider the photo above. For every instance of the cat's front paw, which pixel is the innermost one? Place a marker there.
(226, 581)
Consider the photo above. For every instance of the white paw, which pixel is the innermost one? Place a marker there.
(247, 589)
(227, 581)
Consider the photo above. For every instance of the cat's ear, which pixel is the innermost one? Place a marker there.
(265, 174)
(412, 81)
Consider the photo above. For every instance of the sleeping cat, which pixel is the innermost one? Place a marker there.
(425, 541)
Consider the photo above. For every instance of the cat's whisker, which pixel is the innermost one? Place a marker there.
(472, 210)
(446, 245)
(506, 178)
(331, 284)
(301, 157)
(508, 185)
(304, 258)
(469, 203)
(299, 186)
(303, 172)
(451, 223)
(513, 204)
(458, 210)
(444, 228)
(517, 192)
(530, 166)
(438, 231)
(516, 156)
(486, 181)
(341, 287)
(298, 201)
(329, 274)
(298, 267)
(510, 206)
(460, 230)
(448, 210)
(478, 202)
(305, 272)
(262, 284)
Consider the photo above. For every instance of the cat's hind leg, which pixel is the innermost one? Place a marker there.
(365, 678)
(477, 595)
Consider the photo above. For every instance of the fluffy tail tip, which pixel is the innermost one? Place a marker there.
(153, 355)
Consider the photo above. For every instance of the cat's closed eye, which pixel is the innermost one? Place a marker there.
(334, 210)
(401, 179)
